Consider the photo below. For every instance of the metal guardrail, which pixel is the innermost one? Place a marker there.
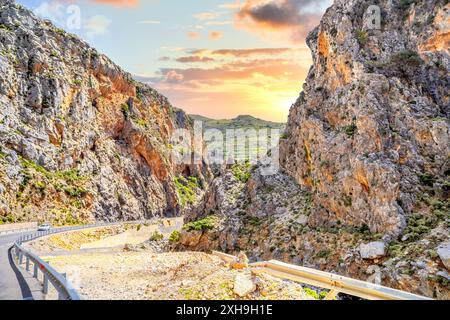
(335, 283)
(65, 289)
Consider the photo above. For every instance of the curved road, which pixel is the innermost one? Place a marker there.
(15, 284)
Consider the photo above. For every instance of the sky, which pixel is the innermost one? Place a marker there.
(217, 58)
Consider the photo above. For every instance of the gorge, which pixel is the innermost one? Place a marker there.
(363, 184)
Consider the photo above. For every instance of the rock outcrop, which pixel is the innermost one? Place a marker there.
(79, 138)
(369, 134)
(364, 183)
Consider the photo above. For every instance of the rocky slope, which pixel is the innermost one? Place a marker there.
(79, 138)
(370, 132)
(368, 143)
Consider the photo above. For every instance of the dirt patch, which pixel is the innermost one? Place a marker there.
(148, 275)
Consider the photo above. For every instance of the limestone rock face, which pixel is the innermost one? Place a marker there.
(372, 250)
(369, 134)
(79, 138)
(444, 254)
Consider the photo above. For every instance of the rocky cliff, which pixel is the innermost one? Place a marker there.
(79, 138)
(369, 134)
(364, 185)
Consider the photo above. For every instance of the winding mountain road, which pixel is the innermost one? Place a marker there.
(15, 284)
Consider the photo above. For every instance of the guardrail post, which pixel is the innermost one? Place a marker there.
(35, 272)
(27, 267)
(61, 295)
(20, 258)
(45, 287)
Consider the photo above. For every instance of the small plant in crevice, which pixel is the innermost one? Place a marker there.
(351, 130)
(362, 37)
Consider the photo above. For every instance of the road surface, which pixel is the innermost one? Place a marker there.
(15, 284)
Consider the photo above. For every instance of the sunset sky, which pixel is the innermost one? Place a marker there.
(218, 58)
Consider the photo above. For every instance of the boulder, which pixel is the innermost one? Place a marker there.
(244, 284)
(444, 254)
(190, 238)
(372, 250)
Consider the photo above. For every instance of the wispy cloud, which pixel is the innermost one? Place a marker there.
(149, 22)
(118, 3)
(190, 59)
(248, 52)
(218, 23)
(215, 35)
(207, 15)
(193, 35)
(96, 26)
(52, 10)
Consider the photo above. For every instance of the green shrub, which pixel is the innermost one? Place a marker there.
(40, 185)
(156, 236)
(348, 201)
(205, 224)
(70, 175)
(7, 219)
(362, 37)
(419, 225)
(174, 237)
(313, 294)
(75, 191)
(125, 110)
(323, 254)
(141, 122)
(60, 31)
(427, 179)
(31, 165)
(186, 188)
(242, 172)
(5, 27)
(351, 130)
(407, 57)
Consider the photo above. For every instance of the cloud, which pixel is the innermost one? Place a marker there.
(53, 11)
(149, 22)
(189, 59)
(292, 17)
(97, 26)
(207, 15)
(193, 35)
(173, 76)
(232, 5)
(218, 23)
(264, 81)
(215, 35)
(248, 52)
(118, 3)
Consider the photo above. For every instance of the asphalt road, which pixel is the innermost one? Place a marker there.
(15, 284)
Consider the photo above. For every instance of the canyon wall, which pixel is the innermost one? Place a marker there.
(80, 139)
(369, 134)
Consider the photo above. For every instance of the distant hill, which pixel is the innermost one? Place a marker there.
(243, 121)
